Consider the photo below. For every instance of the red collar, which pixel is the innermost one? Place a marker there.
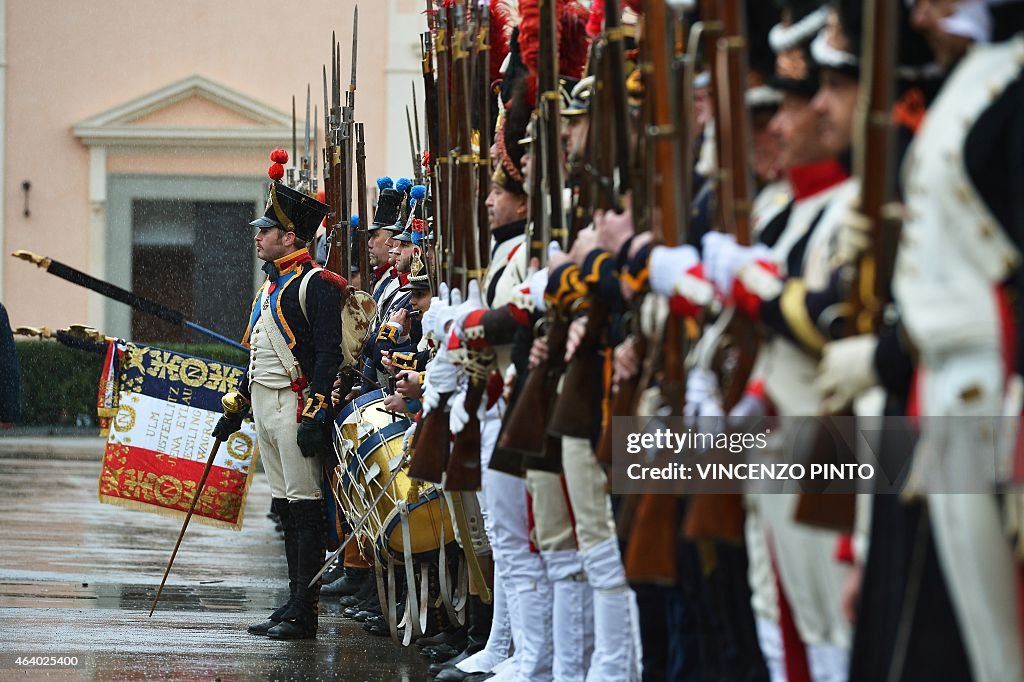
(403, 278)
(816, 177)
(379, 271)
(286, 263)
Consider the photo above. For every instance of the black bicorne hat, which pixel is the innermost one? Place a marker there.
(292, 211)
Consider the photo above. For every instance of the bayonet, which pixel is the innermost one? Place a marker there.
(304, 171)
(316, 150)
(412, 148)
(355, 46)
(416, 119)
(295, 149)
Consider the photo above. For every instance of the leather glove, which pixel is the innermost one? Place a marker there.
(227, 425)
(847, 369)
(310, 439)
(459, 415)
(723, 258)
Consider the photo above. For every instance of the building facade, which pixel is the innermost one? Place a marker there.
(136, 137)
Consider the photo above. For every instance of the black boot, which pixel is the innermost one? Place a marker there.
(299, 621)
(366, 591)
(350, 581)
(447, 654)
(279, 507)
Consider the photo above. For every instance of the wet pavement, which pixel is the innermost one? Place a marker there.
(77, 579)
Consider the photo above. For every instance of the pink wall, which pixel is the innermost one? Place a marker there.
(69, 61)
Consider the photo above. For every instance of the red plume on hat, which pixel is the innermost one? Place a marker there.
(501, 19)
(573, 41)
(276, 170)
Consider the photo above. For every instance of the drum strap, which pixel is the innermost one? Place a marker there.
(442, 566)
(412, 621)
(392, 609)
(424, 597)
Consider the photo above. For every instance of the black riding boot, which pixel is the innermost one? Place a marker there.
(279, 507)
(299, 621)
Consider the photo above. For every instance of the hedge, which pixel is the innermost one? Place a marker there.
(59, 384)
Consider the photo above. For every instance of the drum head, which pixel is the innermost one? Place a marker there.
(428, 521)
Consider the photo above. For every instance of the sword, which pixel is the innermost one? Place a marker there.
(143, 305)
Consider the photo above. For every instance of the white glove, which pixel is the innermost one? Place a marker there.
(442, 377)
(746, 412)
(702, 399)
(723, 258)
(668, 264)
(441, 313)
(459, 416)
(473, 302)
(846, 370)
(537, 283)
(853, 237)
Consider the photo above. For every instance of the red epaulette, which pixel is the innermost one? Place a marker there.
(334, 279)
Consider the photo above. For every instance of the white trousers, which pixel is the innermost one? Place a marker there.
(980, 574)
(291, 475)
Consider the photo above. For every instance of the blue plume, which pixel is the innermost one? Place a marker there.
(355, 220)
(419, 191)
(403, 184)
(417, 237)
(384, 183)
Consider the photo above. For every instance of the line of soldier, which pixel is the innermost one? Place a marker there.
(591, 586)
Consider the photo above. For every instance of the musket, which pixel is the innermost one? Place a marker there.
(463, 471)
(526, 431)
(442, 167)
(112, 291)
(721, 517)
(867, 280)
(524, 441)
(574, 414)
(364, 216)
(327, 154)
(482, 73)
(432, 125)
(874, 165)
(232, 406)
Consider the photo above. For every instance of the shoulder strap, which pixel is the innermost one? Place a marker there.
(303, 285)
(284, 354)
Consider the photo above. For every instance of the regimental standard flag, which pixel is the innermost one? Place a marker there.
(163, 407)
